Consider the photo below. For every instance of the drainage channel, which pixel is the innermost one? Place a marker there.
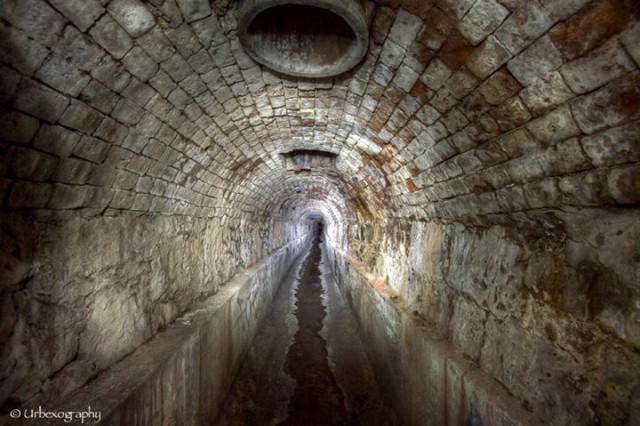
(317, 397)
(307, 365)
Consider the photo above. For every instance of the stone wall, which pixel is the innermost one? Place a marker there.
(184, 373)
(545, 308)
(79, 294)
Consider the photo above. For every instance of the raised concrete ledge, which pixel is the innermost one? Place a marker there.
(431, 381)
(183, 374)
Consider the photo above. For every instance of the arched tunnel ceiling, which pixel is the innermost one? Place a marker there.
(460, 109)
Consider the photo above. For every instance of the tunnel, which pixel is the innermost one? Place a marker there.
(444, 229)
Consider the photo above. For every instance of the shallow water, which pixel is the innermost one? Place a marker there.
(307, 365)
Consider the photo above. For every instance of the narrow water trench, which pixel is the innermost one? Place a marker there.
(307, 364)
(317, 398)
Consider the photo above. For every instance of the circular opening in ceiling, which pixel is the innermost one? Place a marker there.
(317, 38)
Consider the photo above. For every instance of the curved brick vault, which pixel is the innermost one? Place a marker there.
(484, 162)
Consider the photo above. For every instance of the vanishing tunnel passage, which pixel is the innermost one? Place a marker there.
(475, 165)
(307, 364)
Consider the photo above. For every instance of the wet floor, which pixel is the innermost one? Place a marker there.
(307, 365)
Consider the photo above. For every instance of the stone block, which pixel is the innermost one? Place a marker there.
(405, 29)
(524, 26)
(56, 140)
(82, 14)
(209, 31)
(512, 199)
(122, 199)
(468, 162)
(99, 96)
(132, 15)
(125, 180)
(518, 143)
(91, 149)
(499, 87)
(102, 175)
(193, 85)
(62, 76)
(585, 189)
(67, 196)
(179, 98)
(546, 93)
(597, 68)
(154, 149)
(79, 49)
(148, 125)
(564, 158)
(184, 40)
(112, 37)
(405, 78)
(490, 154)
(202, 63)
(139, 165)
(455, 51)
(162, 83)
(17, 127)
(142, 202)
(40, 101)
(630, 39)
(613, 104)
(177, 68)
(454, 120)
(144, 184)
(72, 170)
(9, 80)
(6, 157)
(29, 195)
(159, 187)
(193, 10)
(536, 61)
(594, 24)
(156, 44)
(127, 112)
(138, 63)
(561, 10)
(22, 52)
(111, 131)
(456, 8)
(461, 83)
(556, 126)
(138, 92)
(32, 165)
(511, 114)
(112, 74)
(39, 20)
(619, 145)
(80, 116)
(98, 197)
(391, 55)
(624, 184)
(543, 193)
(482, 19)
(437, 28)
(486, 59)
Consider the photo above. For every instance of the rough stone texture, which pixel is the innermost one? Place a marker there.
(528, 301)
(482, 133)
(108, 291)
(197, 356)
